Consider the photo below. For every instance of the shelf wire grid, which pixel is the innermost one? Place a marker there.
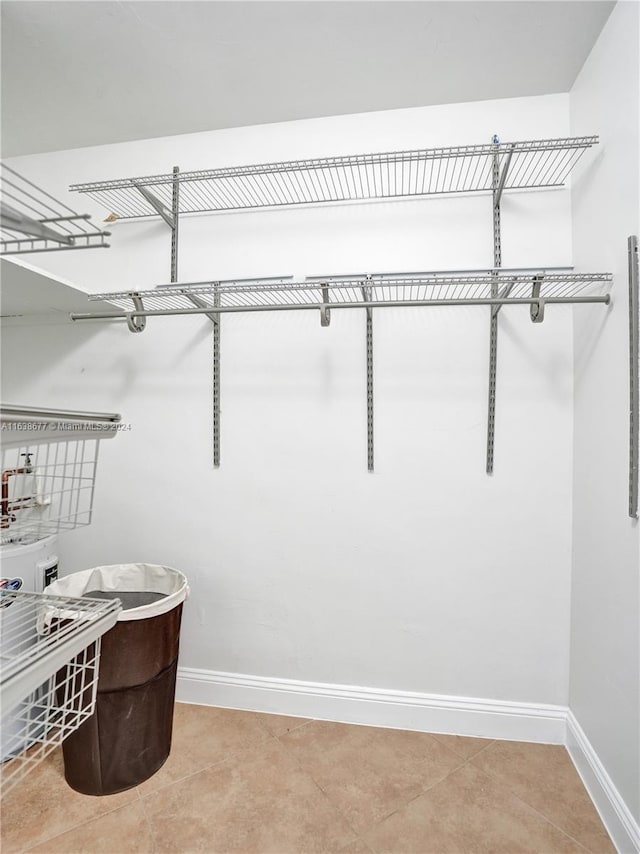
(423, 172)
(348, 291)
(47, 488)
(34, 221)
(50, 653)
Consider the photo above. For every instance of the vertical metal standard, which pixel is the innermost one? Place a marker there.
(632, 244)
(216, 383)
(175, 211)
(493, 331)
(366, 295)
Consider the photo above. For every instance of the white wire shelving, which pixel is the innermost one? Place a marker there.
(49, 462)
(423, 172)
(494, 168)
(50, 658)
(32, 220)
(516, 287)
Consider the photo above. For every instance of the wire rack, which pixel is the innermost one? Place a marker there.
(364, 291)
(459, 169)
(50, 652)
(47, 488)
(32, 220)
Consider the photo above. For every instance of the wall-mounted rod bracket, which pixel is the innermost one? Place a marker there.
(13, 220)
(537, 308)
(135, 322)
(634, 383)
(325, 311)
(156, 204)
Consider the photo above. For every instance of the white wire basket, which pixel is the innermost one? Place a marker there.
(47, 488)
(49, 465)
(50, 654)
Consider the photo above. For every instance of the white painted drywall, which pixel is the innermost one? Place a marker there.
(427, 575)
(605, 616)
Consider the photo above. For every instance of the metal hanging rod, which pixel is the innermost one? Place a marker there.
(32, 220)
(534, 290)
(346, 292)
(36, 413)
(422, 172)
(320, 306)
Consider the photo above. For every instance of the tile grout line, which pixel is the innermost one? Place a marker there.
(461, 760)
(208, 767)
(318, 786)
(73, 826)
(536, 810)
(150, 825)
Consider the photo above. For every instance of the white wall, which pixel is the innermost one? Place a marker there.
(427, 575)
(605, 628)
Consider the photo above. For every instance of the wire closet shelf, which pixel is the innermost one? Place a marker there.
(50, 656)
(491, 287)
(32, 220)
(422, 172)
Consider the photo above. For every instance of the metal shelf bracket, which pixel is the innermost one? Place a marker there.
(156, 204)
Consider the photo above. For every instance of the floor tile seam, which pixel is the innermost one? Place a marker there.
(534, 808)
(410, 800)
(151, 825)
(482, 750)
(435, 785)
(207, 767)
(462, 762)
(325, 794)
(296, 728)
(72, 827)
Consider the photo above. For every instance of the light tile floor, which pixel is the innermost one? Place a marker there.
(241, 781)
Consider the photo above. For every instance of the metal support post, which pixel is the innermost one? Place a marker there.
(493, 330)
(175, 217)
(216, 385)
(366, 295)
(634, 420)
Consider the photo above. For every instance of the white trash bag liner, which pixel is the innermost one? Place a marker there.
(125, 578)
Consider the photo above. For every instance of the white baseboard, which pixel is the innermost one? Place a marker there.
(375, 707)
(615, 814)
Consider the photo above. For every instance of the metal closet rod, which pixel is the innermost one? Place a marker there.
(8, 411)
(123, 315)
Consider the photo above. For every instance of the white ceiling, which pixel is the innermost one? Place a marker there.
(88, 72)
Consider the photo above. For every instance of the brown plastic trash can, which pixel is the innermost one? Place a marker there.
(128, 737)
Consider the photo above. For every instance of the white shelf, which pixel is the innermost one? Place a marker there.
(421, 172)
